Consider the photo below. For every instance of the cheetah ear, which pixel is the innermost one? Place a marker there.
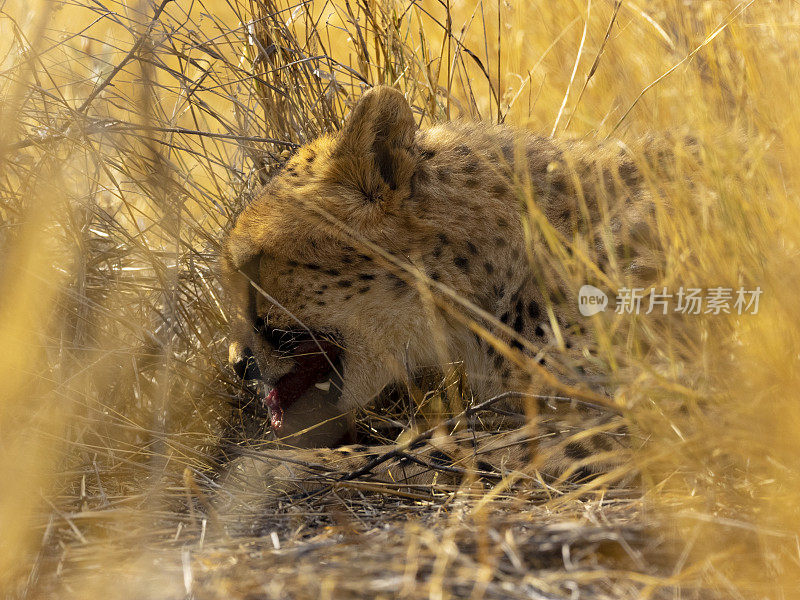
(379, 135)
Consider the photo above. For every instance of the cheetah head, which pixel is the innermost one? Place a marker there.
(317, 316)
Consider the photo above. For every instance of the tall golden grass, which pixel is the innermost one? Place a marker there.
(131, 134)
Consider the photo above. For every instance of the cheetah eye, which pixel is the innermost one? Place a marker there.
(272, 335)
(281, 339)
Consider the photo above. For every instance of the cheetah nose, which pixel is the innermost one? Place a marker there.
(243, 362)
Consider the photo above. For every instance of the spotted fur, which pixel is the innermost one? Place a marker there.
(408, 248)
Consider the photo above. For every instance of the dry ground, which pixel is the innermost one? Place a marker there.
(131, 133)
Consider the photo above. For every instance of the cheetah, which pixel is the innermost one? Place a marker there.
(384, 248)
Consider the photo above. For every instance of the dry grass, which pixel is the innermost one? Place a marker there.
(131, 134)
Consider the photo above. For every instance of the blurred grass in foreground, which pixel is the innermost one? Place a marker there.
(127, 143)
